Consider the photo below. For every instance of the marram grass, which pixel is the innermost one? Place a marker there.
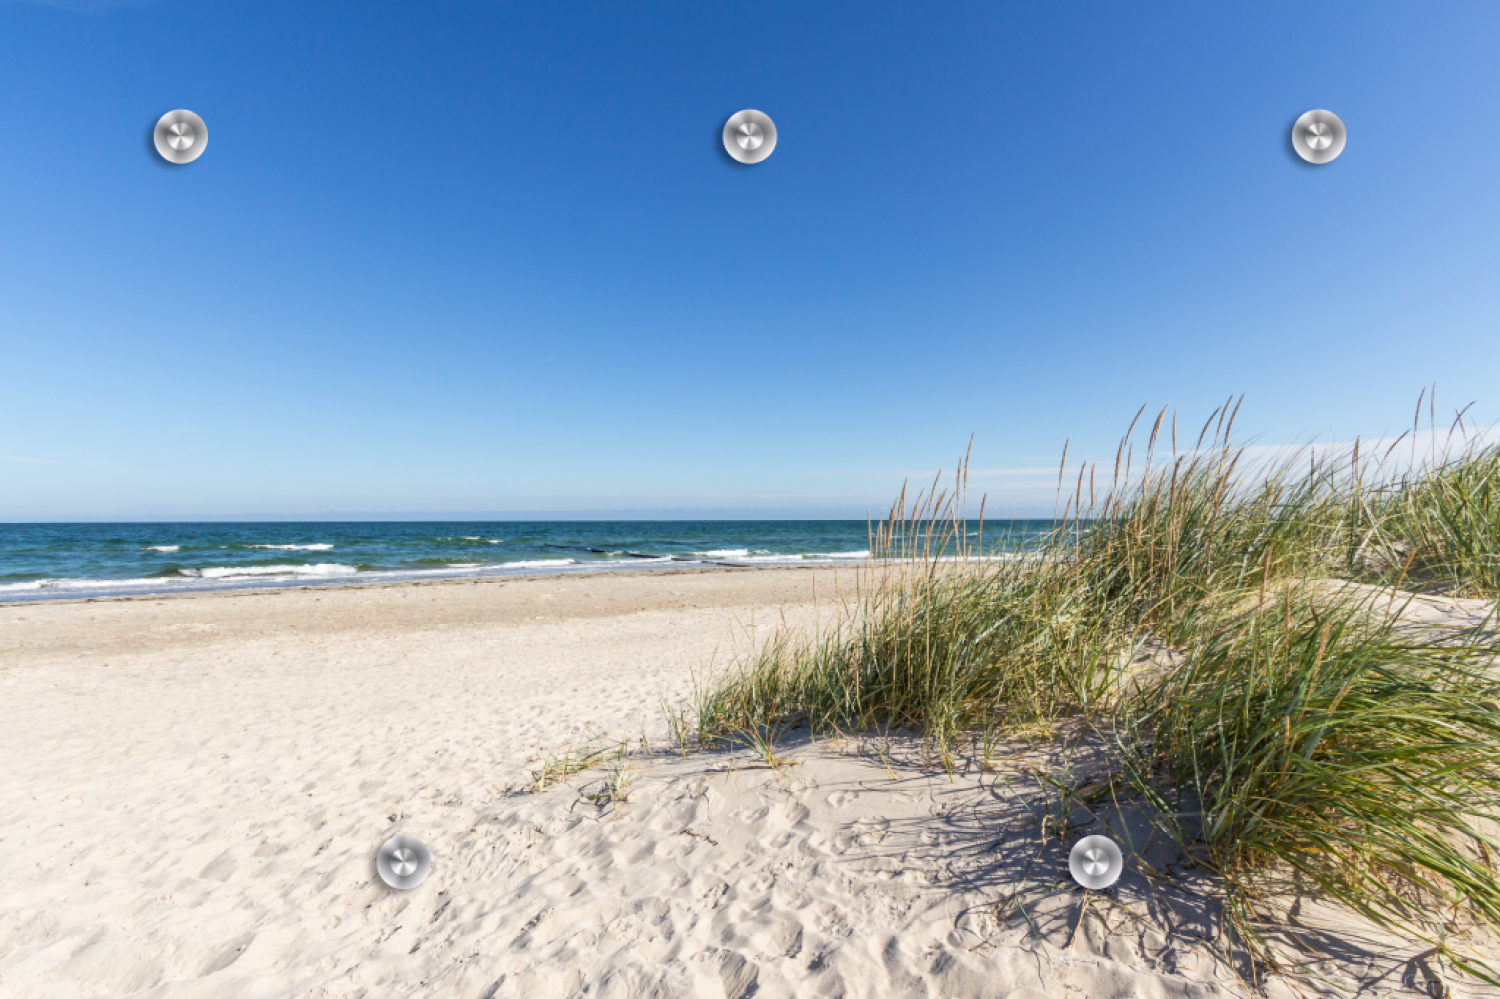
(1326, 743)
(1326, 747)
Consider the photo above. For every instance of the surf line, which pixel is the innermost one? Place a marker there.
(674, 558)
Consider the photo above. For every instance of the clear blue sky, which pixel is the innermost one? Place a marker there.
(491, 258)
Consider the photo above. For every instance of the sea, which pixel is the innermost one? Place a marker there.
(80, 561)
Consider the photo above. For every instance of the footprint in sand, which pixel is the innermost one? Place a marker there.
(866, 832)
(872, 829)
(932, 837)
(792, 812)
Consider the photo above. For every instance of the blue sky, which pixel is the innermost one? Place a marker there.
(491, 259)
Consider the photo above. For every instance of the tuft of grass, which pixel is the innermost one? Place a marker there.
(678, 725)
(1171, 541)
(1442, 526)
(987, 745)
(614, 790)
(1436, 521)
(1330, 748)
(760, 739)
(563, 763)
(938, 649)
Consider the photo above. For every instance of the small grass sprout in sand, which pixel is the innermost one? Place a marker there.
(988, 743)
(614, 790)
(679, 725)
(563, 763)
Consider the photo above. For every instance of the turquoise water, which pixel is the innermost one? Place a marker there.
(50, 561)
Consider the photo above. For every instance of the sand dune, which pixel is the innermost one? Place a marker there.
(195, 788)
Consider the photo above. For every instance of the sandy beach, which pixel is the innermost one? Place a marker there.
(196, 786)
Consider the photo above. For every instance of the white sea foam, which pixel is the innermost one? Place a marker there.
(312, 575)
(231, 571)
(761, 555)
(296, 548)
(163, 548)
(79, 584)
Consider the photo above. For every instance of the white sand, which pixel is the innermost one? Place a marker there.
(195, 787)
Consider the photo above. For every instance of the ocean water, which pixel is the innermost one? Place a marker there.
(70, 561)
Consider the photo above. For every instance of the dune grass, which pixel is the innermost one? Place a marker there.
(1324, 748)
(1443, 526)
(1324, 744)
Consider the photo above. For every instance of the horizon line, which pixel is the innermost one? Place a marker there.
(469, 517)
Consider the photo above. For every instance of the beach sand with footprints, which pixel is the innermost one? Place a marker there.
(196, 787)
